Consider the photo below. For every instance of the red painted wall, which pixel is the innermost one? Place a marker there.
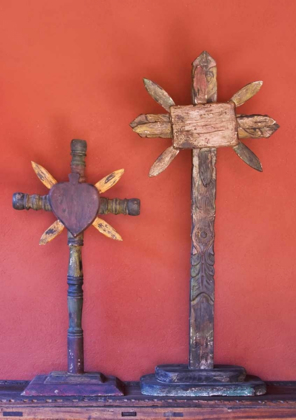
(73, 69)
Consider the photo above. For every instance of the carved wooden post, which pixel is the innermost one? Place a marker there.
(203, 194)
(202, 127)
(76, 206)
(75, 274)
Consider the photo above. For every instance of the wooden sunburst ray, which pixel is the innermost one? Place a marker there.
(248, 126)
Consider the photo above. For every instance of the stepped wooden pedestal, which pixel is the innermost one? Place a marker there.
(179, 380)
(67, 384)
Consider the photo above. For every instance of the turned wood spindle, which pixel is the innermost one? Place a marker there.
(75, 274)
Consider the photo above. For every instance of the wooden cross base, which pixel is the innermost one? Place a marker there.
(223, 380)
(67, 384)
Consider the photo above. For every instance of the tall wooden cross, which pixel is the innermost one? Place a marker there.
(76, 206)
(203, 127)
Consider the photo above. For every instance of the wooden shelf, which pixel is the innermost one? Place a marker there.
(278, 403)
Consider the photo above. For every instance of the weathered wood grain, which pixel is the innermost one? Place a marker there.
(106, 229)
(153, 125)
(246, 93)
(45, 177)
(201, 330)
(202, 126)
(248, 156)
(53, 231)
(204, 79)
(202, 264)
(249, 126)
(205, 166)
(163, 161)
(109, 181)
(256, 126)
(159, 94)
(149, 118)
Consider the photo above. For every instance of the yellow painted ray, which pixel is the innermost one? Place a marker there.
(109, 181)
(45, 177)
(54, 230)
(106, 229)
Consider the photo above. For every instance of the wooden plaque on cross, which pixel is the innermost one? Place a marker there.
(203, 127)
(76, 205)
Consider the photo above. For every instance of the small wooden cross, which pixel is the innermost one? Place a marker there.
(76, 206)
(202, 127)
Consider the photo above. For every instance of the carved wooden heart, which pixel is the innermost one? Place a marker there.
(75, 204)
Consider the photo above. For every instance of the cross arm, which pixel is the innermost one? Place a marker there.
(254, 126)
(22, 201)
(129, 207)
(153, 126)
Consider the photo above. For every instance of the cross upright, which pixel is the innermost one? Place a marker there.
(202, 127)
(76, 206)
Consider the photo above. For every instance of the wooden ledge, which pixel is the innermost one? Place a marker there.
(279, 402)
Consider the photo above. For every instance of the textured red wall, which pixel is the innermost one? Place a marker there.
(74, 69)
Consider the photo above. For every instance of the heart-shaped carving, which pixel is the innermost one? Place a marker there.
(75, 204)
